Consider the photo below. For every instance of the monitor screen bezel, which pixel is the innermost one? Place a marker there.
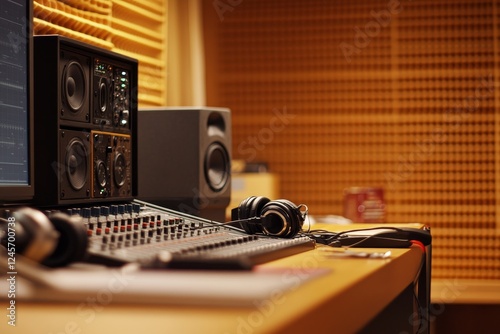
(23, 193)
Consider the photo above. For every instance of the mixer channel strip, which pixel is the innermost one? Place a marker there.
(162, 238)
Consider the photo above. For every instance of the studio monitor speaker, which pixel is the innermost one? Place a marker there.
(85, 123)
(184, 159)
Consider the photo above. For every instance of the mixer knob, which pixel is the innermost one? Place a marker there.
(136, 208)
(95, 211)
(104, 211)
(113, 209)
(86, 213)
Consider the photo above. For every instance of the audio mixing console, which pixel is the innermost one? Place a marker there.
(157, 237)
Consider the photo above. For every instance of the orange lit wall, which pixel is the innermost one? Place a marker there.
(397, 94)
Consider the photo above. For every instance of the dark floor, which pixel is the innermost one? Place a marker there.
(461, 318)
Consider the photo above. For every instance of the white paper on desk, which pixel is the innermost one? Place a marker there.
(369, 231)
(218, 288)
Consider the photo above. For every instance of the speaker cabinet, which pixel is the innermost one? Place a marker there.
(85, 123)
(185, 159)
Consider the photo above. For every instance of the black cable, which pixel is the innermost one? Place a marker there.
(334, 238)
(415, 294)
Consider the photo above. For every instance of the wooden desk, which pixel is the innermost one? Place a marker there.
(346, 298)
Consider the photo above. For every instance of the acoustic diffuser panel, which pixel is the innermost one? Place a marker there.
(393, 94)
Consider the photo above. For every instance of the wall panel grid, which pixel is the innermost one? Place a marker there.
(135, 28)
(398, 94)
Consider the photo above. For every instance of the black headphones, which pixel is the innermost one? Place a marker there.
(54, 240)
(260, 215)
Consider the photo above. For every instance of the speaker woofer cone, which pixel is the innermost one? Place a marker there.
(74, 86)
(76, 163)
(217, 166)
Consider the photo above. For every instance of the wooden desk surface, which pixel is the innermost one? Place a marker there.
(343, 300)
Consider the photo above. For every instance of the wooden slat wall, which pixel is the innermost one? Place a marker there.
(332, 95)
(135, 28)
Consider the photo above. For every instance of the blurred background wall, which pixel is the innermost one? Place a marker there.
(401, 95)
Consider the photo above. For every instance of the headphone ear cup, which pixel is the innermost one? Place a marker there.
(284, 219)
(36, 234)
(249, 208)
(296, 216)
(73, 241)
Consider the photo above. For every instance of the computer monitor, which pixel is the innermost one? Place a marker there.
(16, 102)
